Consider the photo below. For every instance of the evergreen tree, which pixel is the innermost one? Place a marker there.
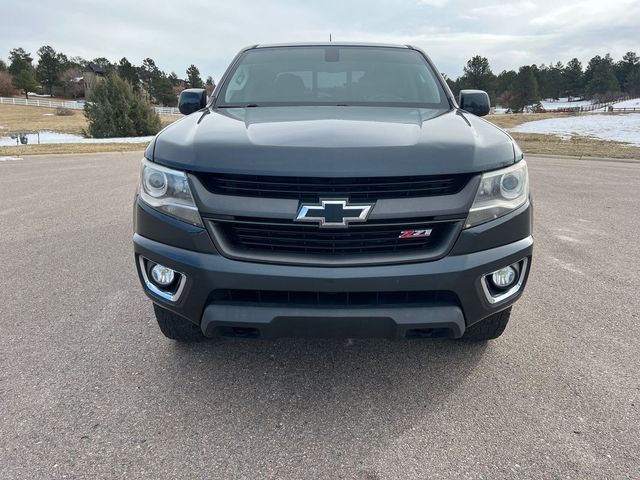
(551, 81)
(625, 67)
(632, 82)
(3, 66)
(129, 73)
(478, 75)
(114, 110)
(573, 78)
(25, 80)
(453, 86)
(149, 74)
(105, 64)
(163, 91)
(175, 81)
(50, 67)
(193, 77)
(524, 90)
(602, 80)
(77, 62)
(19, 60)
(504, 82)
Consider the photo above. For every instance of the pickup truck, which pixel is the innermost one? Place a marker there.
(333, 190)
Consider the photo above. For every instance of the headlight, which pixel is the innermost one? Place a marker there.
(168, 191)
(499, 193)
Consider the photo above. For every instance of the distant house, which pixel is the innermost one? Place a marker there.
(93, 74)
(181, 83)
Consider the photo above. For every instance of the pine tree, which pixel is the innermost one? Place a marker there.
(193, 77)
(19, 60)
(504, 82)
(163, 92)
(478, 75)
(129, 73)
(625, 67)
(632, 83)
(524, 90)
(573, 78)
(25, 81)
(603, 80)
(50, 67)
(113, 109)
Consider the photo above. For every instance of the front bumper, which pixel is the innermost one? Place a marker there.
(459, 275)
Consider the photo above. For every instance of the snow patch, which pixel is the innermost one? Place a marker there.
(628, 104)
(57, 138)
(562, 103)
(9, 159)
(620, 128)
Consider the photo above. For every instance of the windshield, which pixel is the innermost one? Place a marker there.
(328, 75)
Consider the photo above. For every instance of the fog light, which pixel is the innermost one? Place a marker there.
(504, 277)
(162, 275)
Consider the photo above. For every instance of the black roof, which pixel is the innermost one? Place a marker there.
(95, 68)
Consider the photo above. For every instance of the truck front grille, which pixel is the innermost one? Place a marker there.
(288, 242)
(313, 188)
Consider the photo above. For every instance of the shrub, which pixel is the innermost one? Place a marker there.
(114, 110)
(64, 112)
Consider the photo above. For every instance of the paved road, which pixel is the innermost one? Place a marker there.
(90, 389)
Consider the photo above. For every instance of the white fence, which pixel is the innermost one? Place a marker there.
(73, 105)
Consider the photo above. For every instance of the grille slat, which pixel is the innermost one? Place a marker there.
(297, 239)
(304, 188)
(317, 241)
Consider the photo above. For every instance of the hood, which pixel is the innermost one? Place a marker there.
(333, 141)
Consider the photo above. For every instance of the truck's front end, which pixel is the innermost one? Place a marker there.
(333, 190)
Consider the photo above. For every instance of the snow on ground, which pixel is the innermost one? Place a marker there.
(9, 159)
(628, 104)
(551, 104)
(635, 103)
(54, 137)
(621, 128)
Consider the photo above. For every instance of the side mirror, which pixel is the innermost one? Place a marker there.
(192, 100)
(475, 101)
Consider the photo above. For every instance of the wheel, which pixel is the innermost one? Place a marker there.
(177, 328)
(489, 328)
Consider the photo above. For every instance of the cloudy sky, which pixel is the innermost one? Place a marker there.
(209, 33)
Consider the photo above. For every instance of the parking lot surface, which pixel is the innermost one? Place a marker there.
(89, 388)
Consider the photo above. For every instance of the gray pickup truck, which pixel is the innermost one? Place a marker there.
(333, 190)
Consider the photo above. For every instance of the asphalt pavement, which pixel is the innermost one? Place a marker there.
(89, 388)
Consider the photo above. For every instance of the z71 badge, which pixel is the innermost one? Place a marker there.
(415, 233)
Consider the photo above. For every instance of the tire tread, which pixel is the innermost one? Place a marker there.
(490, 328)
(177, 328)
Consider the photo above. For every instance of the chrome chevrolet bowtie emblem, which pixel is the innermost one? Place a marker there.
(333, 213)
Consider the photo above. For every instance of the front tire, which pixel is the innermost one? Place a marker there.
(177, 328)
(488, 329)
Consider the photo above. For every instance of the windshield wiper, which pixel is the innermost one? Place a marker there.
(246, 105)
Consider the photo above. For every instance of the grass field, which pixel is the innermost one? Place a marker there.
(15, 119)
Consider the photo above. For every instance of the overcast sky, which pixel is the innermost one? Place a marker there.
(208, 33)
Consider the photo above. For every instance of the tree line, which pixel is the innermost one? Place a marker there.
(54, 69)
(602, 79)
